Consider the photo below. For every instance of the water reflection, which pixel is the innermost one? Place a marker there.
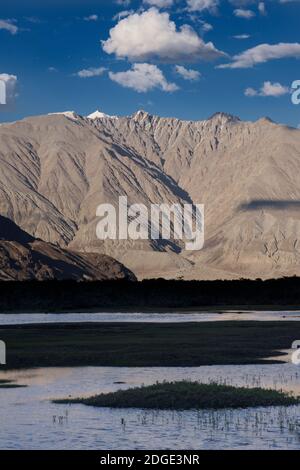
(29, 318)
(30, 420)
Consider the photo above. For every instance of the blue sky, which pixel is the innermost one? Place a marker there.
(182, 58)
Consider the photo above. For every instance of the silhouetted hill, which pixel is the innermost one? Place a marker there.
(11, 232)
(22, 258)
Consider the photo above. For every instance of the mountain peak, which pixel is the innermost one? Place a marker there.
(266, 120)
(140, 115)
(99, 115)
(224, 117)
(68, 114)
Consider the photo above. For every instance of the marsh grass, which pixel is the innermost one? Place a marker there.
(10, 384)
(187, 395)
(147, 345)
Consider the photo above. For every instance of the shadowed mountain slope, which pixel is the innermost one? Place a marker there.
(22, 257)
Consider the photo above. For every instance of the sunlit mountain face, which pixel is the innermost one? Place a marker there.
(246, 174)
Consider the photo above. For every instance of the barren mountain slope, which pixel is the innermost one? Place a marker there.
(55, 170)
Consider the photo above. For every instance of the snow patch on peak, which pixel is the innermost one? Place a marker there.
(68, 114)
(99, 115)
(140, 115)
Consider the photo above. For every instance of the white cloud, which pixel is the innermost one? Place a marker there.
(33, 19)
(206, 27)
(91, 18)
(187, 74)
(262, 8)
(242, 3)
(10, 85)
(201, 5)
(268, 89)
(123, 2)
(143, 78)
(263, 53)
(91, 72)
(9, 25)
(241, 13)
(242, 36)
(250, 92)
(159, 3)
(122, 14)
(274, 89)
(151, 35)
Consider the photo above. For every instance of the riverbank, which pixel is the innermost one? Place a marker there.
(10, 384)
(146, 344)
(187, 395)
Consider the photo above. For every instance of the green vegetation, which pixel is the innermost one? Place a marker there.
(146, 344)
(188, 395)
(159, 294)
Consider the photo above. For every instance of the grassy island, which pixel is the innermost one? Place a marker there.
(186, 395)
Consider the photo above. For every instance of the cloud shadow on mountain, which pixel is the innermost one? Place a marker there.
(278, 204)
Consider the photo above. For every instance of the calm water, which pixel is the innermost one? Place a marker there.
(30, 421)
(25, 318)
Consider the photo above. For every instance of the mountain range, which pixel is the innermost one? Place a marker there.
(56, 169)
